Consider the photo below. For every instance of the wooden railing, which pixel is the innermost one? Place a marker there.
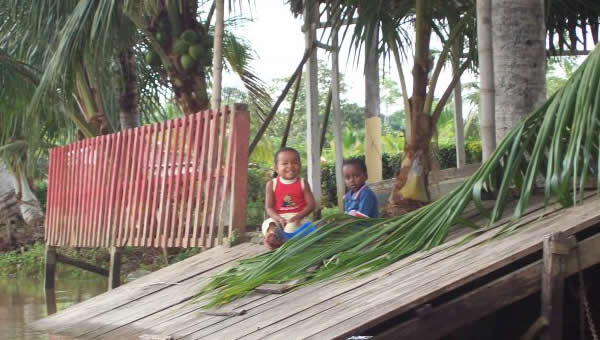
(180, 183)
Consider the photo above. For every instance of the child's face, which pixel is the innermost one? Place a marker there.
(354, 177)
(288, 165)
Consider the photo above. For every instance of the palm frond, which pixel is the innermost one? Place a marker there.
(559, 142)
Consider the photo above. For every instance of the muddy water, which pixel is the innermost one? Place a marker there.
(23, 301)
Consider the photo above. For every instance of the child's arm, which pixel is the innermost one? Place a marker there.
(368, 205)
(310, 205)
(270, 203)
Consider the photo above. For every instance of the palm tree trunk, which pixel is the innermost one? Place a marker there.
(486, 77)
(519, 60)
(372, 118)
(410, 189)
(218, 54)
(128, 111)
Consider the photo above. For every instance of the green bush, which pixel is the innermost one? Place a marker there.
(447, 154)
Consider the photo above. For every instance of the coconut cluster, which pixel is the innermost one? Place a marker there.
(193, 47)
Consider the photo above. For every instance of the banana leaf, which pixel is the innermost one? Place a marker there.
(557, 145)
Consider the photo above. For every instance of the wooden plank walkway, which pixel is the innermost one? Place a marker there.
(333, 309)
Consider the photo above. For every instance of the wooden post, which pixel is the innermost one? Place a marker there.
(556, 250)
(239, 182)
(114, 270)
(313, 163)
(50, 296)
(49, 266)
(337, 118)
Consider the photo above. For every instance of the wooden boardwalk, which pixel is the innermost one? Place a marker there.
(159, 304)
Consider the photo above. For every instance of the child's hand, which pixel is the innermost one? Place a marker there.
(281, 221)
(295, 219)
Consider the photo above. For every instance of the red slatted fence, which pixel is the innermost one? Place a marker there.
(180, 183)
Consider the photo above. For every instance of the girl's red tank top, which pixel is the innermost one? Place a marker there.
(289, 198)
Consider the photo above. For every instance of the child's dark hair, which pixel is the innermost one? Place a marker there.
(284, 149)
(360, 163)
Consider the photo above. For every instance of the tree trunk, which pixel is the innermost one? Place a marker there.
(311, 12)
(129, 115)
(218, 54)
(372, 117)
(519, 60)
(410, 189)
(17, 199)
(486, 77)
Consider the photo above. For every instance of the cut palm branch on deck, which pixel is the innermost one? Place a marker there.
(559, 143)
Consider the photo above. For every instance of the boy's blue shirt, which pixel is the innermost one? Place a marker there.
(364, 201)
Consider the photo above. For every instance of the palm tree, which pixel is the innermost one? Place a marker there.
(393, 19)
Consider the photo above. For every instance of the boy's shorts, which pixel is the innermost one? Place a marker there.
(289, 227)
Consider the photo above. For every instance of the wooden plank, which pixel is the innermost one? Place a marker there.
(85, 221)
(226, 187)
(221, 118)
(159, 240)
(156, 198)
(176, 181)
(101, 214)
(208, 189)
(151, 180)
(97, 172)
(178, 272)
(167, 240)
(81, 264)
(170, 295)
(193, 195)
(128, 185)
(141, 166)
(197, 240)
(190, 124)
(488, 298)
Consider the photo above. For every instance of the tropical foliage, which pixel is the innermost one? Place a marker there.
(558, 142)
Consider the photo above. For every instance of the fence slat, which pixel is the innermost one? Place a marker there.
(222, 119)
(176, 179)
(185, 180)
(227, 178)
(201, 192)
(209, 178)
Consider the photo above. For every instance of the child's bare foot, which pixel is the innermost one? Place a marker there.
(272, 242)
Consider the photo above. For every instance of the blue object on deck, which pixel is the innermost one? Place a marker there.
(304, 229)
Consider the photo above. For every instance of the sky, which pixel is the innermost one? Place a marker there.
(276, 37)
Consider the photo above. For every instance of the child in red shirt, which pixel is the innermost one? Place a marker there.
(288, 198)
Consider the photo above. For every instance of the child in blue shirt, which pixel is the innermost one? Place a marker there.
(360, 200)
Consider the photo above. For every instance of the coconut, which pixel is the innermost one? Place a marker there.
(190, 36)
(180, 47)
(152, 58)
(195, 51)
(187, 62)
(161, 37)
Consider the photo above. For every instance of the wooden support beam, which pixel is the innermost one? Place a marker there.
(114, 271)
(556, 249)
(82, 265)
(49, 266)
(488, 298)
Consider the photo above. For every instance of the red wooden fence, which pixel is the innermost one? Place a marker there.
(160, 185)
